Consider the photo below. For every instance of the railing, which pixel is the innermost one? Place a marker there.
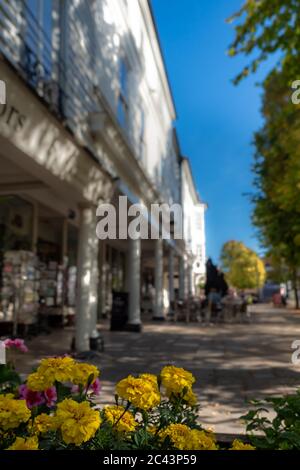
(29, 49)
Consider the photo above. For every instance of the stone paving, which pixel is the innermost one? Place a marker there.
(232, 363)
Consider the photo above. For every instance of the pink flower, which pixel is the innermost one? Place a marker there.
(16, 343)
(32, 398)
(8, 343)
(75, 389)
(51, 396)
(20, 344)
(96, 387)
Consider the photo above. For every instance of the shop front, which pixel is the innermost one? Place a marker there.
(50, 187)
(38, 259)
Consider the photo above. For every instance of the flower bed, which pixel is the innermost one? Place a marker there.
(55, 408)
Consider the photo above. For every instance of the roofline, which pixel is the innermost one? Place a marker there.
(162, 55)
(177, 143)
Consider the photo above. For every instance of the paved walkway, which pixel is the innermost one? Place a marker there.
(232, 363)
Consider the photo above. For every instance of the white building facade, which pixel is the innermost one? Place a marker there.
(194, 230)
(89, 117)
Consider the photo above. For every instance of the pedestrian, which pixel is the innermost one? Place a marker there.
(214, 305)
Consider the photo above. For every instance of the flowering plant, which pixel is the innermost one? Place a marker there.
(57, 407)
(9, 378)
(274, 423)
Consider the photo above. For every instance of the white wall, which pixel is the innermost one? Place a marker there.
(99, 35)
(194, 223)
(89, 39)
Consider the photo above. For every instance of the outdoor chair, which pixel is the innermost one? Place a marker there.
(182, 311)
(227, 312)
(244, 313)
(195, 310)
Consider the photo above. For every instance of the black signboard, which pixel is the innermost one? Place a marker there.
(119, 312)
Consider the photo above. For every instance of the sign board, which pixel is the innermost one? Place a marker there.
(119, 312)
(2, 353)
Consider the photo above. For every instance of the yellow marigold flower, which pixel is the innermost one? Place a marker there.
(140, 392)
(78, 422)
(124, 420)
(82, 372)
(58, 369)
(201, 440)
(185, 438)
(178, 434)
(190, 398)
(12, 412)
(4, 435)
(176, 379)
(239, 445)
(30, 443)
(43, 423)
(150, 377)
(152, 429)
(39, 382)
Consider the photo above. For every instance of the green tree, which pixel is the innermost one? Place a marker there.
(265, 27)
(242, 266)
(277, 177)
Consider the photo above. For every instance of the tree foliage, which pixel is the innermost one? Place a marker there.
(277, 176)
(242, 266)
(265, 27)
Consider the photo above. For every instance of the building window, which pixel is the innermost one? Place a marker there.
(123, 107)
(39, 17)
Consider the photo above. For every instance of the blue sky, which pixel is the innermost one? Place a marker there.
(216, 119)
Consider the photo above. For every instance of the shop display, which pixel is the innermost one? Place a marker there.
(57, 289)
(48, 283)
(35, 288)
(20, 286)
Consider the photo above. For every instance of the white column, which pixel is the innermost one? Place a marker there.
(86, 307)
(134, 283)
(93, 297)
(158, 280)
(102, 278)
(171, 275)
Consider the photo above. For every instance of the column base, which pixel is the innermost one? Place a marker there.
(97, 344)
(133, 328)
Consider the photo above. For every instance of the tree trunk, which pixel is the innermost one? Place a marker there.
(295, 286)
(296, 296)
